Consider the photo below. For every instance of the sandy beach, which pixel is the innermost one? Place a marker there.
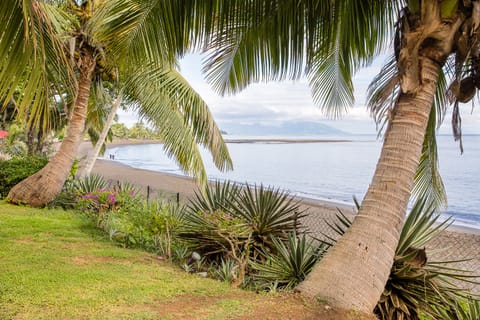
(458, 243)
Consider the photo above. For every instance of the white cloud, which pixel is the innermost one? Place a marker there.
(277, 102)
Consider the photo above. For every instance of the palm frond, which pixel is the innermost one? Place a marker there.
(342, 50)
(384, 89)
(428, 182)
(257, 41)
(140, 30)
(178, 138)
(196, 114)
(32, 39)
(273, 40)
(331, 84)
(383, 92)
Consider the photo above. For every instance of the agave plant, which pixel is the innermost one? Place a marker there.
(262, 214)
(225, 270)
(90, 183)
(417, 285)
(465, 310)
(293, 260)
(270, 213)
(216, 196)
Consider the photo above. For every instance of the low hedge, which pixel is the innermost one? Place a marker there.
(16, 169)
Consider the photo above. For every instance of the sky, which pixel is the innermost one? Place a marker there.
(274, 103)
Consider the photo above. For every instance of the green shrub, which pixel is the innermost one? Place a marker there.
(230, 222)
(16, 169)
(259, 214)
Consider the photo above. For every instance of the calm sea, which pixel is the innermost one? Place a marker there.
(334, 170)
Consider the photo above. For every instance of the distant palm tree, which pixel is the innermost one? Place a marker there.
(68, 49)
(329, 41)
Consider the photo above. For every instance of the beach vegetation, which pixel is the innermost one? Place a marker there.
(120, 210)
(290, 262)
(271, 40)
(222, 245)
(267, 213)
(239, 223)
(274, 40)
(78, 53)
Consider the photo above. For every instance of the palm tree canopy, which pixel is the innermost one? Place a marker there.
(273, 40)
(128, 38)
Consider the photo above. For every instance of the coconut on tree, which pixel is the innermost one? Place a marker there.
(80, 45)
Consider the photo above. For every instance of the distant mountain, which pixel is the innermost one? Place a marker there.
(285, 129)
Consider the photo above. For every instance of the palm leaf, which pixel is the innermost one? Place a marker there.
(32, 58)
(162, 112)
(256, 41)
(196, 115)
(428, 182)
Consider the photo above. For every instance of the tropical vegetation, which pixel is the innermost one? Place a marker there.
(83, 52)
(269, 250)
(14, 170)
(435, 42)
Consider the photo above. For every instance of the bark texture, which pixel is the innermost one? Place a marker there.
(354, 272)
(42, 187)
(92, 155)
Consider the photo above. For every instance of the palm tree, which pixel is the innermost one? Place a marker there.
(249, 41)
(100, 142)
(78, 44)
(329, 41)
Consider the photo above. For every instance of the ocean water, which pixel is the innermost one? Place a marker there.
(333, 170)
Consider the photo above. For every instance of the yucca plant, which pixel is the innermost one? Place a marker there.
(226, 270)
(216, 196)
(416, 284)
(293, 260)
(265, 213)
(89, 184)
(270, 213)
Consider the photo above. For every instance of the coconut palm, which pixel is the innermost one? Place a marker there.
(329, 41)
(79, 45)
(251, 41)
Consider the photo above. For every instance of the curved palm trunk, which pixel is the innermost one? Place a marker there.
(92, 156)
(42, 187)
(354, 272)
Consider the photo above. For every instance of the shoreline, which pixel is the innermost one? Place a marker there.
(175, 183)
(172, 183)
(457, 243)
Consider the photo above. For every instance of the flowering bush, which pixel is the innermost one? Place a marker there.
(100, 203)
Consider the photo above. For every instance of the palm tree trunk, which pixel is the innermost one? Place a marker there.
(354, 272)
(92, 156)
(42, 187)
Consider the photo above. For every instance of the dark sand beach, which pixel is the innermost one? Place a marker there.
(458, 243)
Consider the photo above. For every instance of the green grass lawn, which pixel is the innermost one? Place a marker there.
(55, 265)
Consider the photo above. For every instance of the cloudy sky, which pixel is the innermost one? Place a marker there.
(277, 102)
